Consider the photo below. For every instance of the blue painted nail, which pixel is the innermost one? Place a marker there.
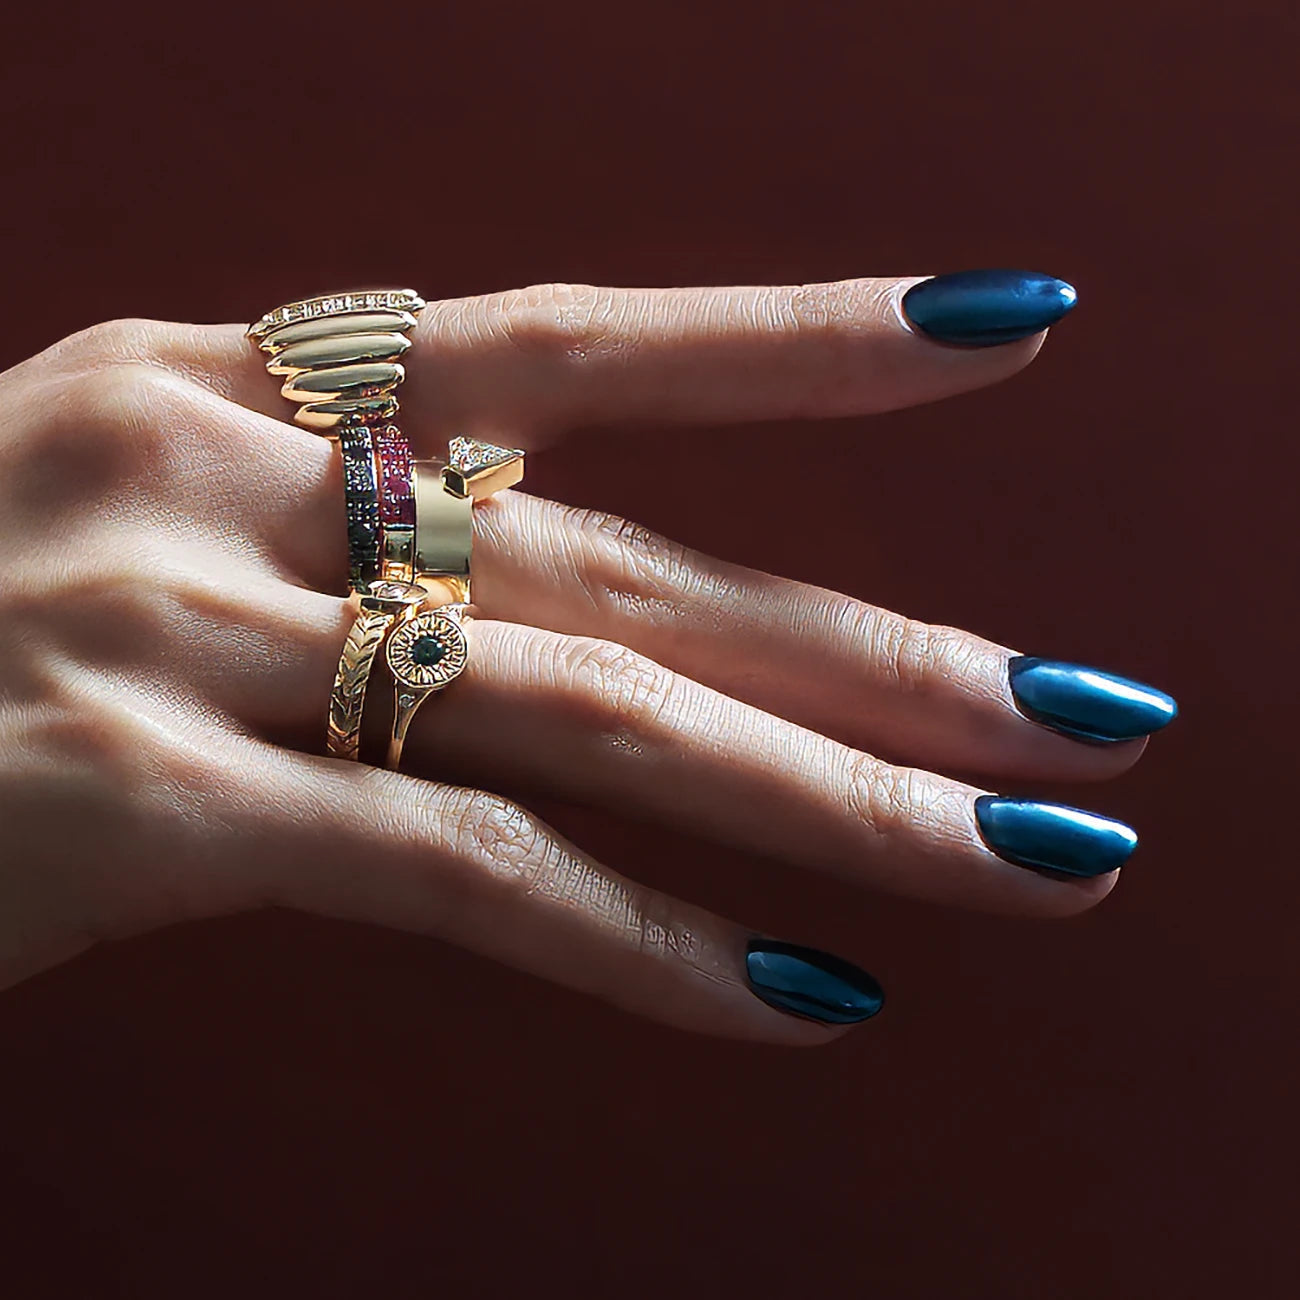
(1051, 837)
(983, 308)
(811, 984)
(1087, 703)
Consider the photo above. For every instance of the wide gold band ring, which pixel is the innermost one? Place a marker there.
(427, 653)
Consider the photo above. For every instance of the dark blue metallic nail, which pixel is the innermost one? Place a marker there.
(981, 308)
(811, 984)
(1051, 837)
(1087, 703)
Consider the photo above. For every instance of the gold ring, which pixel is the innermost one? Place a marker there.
(410, 523)
(445, 492)
(339, 356)
(376, 612)
(428, 652)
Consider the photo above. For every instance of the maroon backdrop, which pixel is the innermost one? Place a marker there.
(280, 1106)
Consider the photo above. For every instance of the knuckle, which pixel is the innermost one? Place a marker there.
(79, 743)
(559, 321)
(636, 546)
(107, 342)
(628, 568)
(507, 848)
(881, 796)
(920, 657)
(492, 833)
(111, 424)
(617, 689)
(659, 925)
(484, 824)
(117, 397)
(110, 614)
(99, 428)
(103, 774)
(904, 806)
(833, 308)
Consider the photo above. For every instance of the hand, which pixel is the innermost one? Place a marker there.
(170, 556)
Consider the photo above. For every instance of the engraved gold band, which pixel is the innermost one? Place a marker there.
(383, 605)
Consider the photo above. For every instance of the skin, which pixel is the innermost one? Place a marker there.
(170, 556)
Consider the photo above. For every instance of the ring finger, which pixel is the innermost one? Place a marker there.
(589, 721)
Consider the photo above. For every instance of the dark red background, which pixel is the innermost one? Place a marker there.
(281, 1106)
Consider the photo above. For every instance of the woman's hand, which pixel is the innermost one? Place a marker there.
(171, 558)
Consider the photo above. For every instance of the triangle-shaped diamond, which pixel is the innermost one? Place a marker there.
(479, 469)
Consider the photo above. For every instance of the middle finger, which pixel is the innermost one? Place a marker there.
(920, 693)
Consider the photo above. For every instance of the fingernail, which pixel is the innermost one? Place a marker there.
(811, 984)
(982, 308)
(1052, 837)
(1087, 703)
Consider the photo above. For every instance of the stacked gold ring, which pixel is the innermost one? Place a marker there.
(339, 356)
(410, 524)
(376, 611)
(429, 651)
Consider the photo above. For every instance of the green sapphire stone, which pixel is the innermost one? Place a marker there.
(428, 651)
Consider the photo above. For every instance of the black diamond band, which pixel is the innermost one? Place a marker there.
(361, 498)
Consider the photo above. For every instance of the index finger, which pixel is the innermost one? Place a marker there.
(527, 364)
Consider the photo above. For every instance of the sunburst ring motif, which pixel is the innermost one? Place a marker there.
(428, 652)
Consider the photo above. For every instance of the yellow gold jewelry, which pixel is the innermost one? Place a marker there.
(430, 651)
(478, 469)
(444, 534)
(410, 524)
(445, 492)
(339, 356)
(382, 605)
(426, 654)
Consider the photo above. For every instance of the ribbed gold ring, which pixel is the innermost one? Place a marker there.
(339, 357)
(340, 354)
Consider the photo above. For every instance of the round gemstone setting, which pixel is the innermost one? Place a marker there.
(428, 651)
